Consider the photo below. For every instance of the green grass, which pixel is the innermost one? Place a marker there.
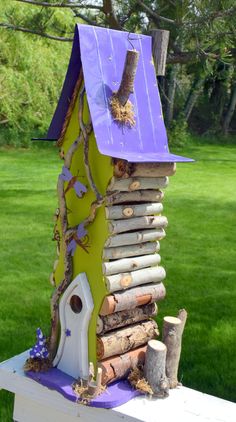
(198, 253)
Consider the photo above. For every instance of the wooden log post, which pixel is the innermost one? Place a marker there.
(160, 40)
(124, 281)
(127, 211)
(136, 183)
(130, 264)
(172, 337)
(125, 339)
(131, 250)
(126, 317)
(148, 195)
(127, 82)
(132, 298)
(118, 367)
(155, 368)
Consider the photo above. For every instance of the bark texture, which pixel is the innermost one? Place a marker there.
(136, 196)
(133, 184)
(172, 337)
(131, 250)
(124, 281)
(127, 211)
(135, 237)
(130, 264)
(118, 367)
(160, 40)
(132, 298)
(127, 317)
(155, 368)
(125, 339)
(124, 169)
(127, 82)
(146, 222)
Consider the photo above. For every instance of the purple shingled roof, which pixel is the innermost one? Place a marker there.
(101, 52)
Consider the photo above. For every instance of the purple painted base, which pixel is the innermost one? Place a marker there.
(116, 394)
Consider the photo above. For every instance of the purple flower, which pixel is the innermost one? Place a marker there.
(39, 350)
(68, 332)
(80, 233)
(73, 183)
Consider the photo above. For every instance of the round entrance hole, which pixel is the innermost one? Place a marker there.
(76, 304)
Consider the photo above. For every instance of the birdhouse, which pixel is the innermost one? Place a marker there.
(108, 276)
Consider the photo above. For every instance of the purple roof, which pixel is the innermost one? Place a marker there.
(101, 52)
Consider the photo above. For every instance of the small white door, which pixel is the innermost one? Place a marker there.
(75, 311)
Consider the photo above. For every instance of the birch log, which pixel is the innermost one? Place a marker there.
(120, 226)
(172, 337)
(136, 196)
(124, 281)
(132, 298)
(124, 169)
(135, 237)
(127, 317)
(155, 368)
(133, 184)
(130, 264)
(127, 82)
(126, 211)
(118, 367)
(131, 250)
(125, 339)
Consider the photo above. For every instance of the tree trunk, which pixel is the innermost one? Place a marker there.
(125, 339)
(171, 94)
(172, 337)
(155, 368)
(193, 96)
(127, 317)
(230, 111)
(132, 298)
(118, 367)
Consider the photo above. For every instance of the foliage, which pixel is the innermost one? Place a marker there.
(198, 254)
(201, 56)
(32, 71)
(178, 132)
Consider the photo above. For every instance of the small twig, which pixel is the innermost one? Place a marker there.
(86, 130)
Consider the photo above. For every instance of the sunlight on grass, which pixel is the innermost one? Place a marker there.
(198, 253)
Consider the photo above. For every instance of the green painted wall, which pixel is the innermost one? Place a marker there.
(78, 210)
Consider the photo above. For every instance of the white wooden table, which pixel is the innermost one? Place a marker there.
(35, 403)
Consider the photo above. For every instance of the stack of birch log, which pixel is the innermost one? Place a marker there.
(131, 267)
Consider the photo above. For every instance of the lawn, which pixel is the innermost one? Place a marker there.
(198, 253)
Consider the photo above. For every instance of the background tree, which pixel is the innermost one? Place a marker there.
(201, 57)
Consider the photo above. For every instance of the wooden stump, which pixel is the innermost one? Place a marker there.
(155, 368)
(172, 337)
